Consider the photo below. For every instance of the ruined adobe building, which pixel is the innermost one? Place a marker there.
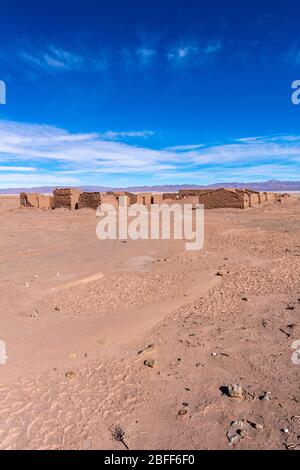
(66, 198)
(222, 198)
(73, 199)
(39, 201)
(90, 200)
(219, 198)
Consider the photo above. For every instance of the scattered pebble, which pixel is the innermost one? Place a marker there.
(237, 431)
(34, 314)
(290, 306)
(70, 374)
(149, 363)
(149, 346)
(259, 426)
(233, 391)
(265, 396)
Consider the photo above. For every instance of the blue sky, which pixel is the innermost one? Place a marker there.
(125, 92)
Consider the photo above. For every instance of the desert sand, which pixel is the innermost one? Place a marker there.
(113, 345)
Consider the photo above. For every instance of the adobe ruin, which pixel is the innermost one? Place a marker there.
(74, 199)
(66, 198)
(39, 201)
(89, 200)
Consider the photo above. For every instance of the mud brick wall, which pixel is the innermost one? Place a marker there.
(222, 198)
(144, 198)
(40, 201)
(110, 198)
(191, 192)
(171, 196)
(271, 197)
(66, 198)
(253, 197)
(262, 197)
(89, 200)
(157, 198)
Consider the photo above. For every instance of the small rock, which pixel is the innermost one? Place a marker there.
(237, 431)
(149, 346)
(265, 396)
(234, 391)
(245, 299)
(57, 309)
(149, 363)
(27, 285)
(34, 314)
(290, 306)
(182, 412)
(70, 374)
(259, 426)
(285, 430)
(72, 355)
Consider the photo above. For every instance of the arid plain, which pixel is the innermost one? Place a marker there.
(136, 344)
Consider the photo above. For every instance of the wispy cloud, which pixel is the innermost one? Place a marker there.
(146, 55)
(52, 59)
(49, 155)
(193, 54)
(112, 135)
(185, 148)
(293, 55)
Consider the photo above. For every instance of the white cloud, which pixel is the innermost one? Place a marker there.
(62, 157)
(185, 148)
(55, 59)
(146, 55)
(193, 54)
(17, 168)
(111, 135)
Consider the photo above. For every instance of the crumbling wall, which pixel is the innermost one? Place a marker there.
(262, 197)
(171, 196)
(193, 200)
(131, 198)
(110, 198)
(66, 198)
(29, 200)
(144, 198)
(44, 201)
(222, 198)
(191, 192)
(157, 199)
(89, 200)
(253, 197)
(271, 197)
(39, 201)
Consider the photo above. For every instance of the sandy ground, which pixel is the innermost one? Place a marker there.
(114, 344)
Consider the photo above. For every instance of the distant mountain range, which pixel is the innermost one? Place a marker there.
(288, 186)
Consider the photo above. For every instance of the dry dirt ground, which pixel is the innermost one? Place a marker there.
(114, 344)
